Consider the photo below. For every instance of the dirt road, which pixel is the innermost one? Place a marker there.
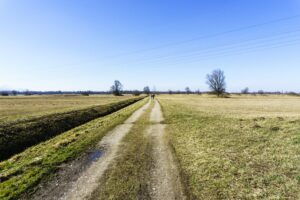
(165, 181)
(80, 178)
(88, 181)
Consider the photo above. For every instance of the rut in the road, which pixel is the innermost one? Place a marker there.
(165, 180)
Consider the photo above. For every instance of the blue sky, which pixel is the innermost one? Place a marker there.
(169, 44)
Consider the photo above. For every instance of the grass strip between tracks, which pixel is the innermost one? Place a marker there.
(128, 177)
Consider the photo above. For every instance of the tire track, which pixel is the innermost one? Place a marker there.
(165, 180)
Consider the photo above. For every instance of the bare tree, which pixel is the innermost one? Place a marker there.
(187, 90)
(147, 90)
(260, 92)
(216, 82)
(245, 90)
(14, 92)
(117, 88)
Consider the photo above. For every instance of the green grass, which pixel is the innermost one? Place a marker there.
(238, 148)
(23, 171)
(16, 137)
(128, 177)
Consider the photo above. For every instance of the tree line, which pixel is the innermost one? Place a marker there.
(216, 82)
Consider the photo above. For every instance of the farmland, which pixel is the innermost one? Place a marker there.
(23, 171)
(18, 135)
(175, 147)
(27, 107)
(243, 147)
(150, 100)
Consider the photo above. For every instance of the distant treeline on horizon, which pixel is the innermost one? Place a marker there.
(133, 92)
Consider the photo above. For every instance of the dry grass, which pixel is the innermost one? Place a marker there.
(247, 106)
(26, 107)
(23, 171)
(242, 147)
(17, 136)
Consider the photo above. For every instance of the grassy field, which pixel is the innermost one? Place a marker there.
(17, 136)
(23, 171)
(243, 147)
(26, 107)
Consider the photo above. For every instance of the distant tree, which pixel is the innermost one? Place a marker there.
(117, 88)
(260, 92)
(216, 82)
(147, 90)
(170, 92)
(292, 93)
(27, 93)
(136, 93)
(187, 90)
(85, 93)
(4, 93)
(14, 92)
(245, 90)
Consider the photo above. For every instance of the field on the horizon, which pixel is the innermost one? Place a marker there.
(243, 147)
(14, 108)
